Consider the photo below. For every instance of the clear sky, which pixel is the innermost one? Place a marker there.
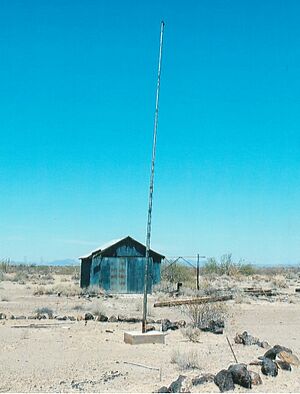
(77, 95)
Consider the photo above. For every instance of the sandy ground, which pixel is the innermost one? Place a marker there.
(71, 356)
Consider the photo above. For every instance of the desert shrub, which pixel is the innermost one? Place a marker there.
(44, 311)
(98, 309)
(177, 272)
(67, 290)
(163, 287)
(226, 266)
(279, 282)
(20, 277)
(191, 333)
(186, 360)
(94, 291)
(43, 290)
(61, 289)
(79, 307)
(202, 314)
(4, 299)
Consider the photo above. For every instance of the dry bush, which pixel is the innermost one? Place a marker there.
(45, 310)
(226, 266)
(279, 281)
(67, 290)
(139, 307)
(79, 307)
(94, 291)
(163, 287)
(98, 309)
(186, 360)
(192, 333)
(61, 289)
(202, 314)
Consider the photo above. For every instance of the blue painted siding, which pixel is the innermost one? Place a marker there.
(123, 274)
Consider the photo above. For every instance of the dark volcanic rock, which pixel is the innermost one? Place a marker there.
(101, 317)
(272, 353)
(163, 389)
(284, 365)
(269, 368)
(201, 379)
(166, 325)
(255, 378)
(214, 326)
(88, 316)
(2, 316)
(240, 375)
(224, 380)
(181, 385)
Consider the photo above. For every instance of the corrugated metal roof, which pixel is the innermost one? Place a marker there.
(111, 243)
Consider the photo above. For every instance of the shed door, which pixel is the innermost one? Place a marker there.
(118, 274)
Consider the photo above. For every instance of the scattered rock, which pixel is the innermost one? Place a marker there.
(113, 319)
(288, 358)
(247, 339)
(150, 321)
(272, 353)
(72, 318)
(214, 326)
(181, 323)
(20, 317)
(2, 316)
(269, 368)
(240, 375)
(41, 316)
(284, 365)
(201, 379)
(88, 316)
(12, 317)
(127, 319)
(181, 385)
(163, 389)
(166, 325)
(224, 380)
(150, 328)
(101, 317)
(61, 317)
(255, 378)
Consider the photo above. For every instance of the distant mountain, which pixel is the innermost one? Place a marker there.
(61, 263)
(65, 262)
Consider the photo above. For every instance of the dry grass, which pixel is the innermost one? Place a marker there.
(192, 333)
(186, 360)
(203, 314)
(61, 289)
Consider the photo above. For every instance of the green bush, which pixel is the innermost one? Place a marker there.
(227, 266)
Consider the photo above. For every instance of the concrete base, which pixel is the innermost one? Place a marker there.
(138, 338)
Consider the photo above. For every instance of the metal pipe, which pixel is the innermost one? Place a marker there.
(148, 238)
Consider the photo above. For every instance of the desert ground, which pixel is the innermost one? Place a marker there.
(56, 355)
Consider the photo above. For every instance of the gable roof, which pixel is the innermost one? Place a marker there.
(114, 243)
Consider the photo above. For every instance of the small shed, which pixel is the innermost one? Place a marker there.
(119, 267)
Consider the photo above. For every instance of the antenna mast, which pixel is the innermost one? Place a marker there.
(148, 240)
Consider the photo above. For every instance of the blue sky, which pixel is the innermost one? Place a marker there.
(76, 117)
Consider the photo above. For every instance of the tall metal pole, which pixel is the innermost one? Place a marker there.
(198, 284)
(148, 240)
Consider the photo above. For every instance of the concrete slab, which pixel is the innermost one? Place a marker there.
(139, 338)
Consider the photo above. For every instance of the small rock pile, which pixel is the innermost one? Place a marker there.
(278, 357)
(247, 339)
